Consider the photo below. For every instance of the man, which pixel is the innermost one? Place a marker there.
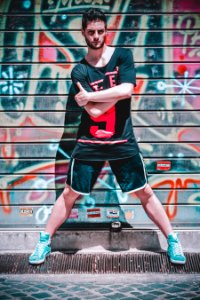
(104, 80)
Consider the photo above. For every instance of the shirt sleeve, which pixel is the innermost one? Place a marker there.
(126, 67)
(79, 74)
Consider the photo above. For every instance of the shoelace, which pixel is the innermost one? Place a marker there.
(177, 248)
(40, 248)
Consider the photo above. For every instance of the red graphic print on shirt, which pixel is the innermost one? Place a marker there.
(108, 117)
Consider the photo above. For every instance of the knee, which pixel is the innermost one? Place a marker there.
(66, 192)
(145, 194)
(69, 194)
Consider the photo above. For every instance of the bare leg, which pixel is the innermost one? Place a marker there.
(61, 210)
(154, 209)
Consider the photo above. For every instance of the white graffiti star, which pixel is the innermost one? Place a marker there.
(9, 85)
(184, 87)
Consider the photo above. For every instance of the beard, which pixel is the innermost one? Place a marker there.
(91, 45)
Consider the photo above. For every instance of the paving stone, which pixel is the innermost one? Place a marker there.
(32, 289)
(59, 291)
(13, 291)
(27, 298)
(195, 289)
(42, 295)
(136, 293)
(129, 298)
(43, 286)
(115, 286)
(116, 296)
(125, 289)
(158, 285)
(85, 293)
(146, 288)
(173, 290)
(19, 295)
(74, 298)
(65, 296)
(174, 298)
(61, 285)
(145, 297)
(156, 292)
(76, 288)
(182, 284)
(96, 297)
(4, 289)
(105, 291)
(188, 295)
(5, 297)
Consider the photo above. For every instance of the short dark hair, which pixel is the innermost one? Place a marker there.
(93, 14)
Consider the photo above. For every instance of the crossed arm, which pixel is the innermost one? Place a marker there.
(97, 103)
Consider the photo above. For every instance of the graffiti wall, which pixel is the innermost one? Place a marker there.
(40, 42)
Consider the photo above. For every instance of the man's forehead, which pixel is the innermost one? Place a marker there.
(95, 25)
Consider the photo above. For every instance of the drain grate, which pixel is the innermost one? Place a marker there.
(58, 263)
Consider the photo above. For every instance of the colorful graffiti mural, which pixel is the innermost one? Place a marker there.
(40, 42)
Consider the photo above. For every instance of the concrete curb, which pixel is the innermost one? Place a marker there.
(88, 241)
(103, 278)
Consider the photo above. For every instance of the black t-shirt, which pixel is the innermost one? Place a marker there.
(109, 136)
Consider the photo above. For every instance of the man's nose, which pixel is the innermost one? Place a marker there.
(96, 35)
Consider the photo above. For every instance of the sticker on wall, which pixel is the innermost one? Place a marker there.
(74, 213)
(112, 213)
(93, 213)
(163, 165)
(129, 214)
(26, 211)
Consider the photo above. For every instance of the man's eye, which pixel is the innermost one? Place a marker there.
(101, 31)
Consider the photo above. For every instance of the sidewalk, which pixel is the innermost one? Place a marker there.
(100, 287)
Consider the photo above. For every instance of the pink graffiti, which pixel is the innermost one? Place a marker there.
(186, 36)
(190, 134)
(49, 54)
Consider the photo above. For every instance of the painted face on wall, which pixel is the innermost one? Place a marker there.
(95, 34)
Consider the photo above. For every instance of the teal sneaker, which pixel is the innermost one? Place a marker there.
(42, 249)
(174, 250)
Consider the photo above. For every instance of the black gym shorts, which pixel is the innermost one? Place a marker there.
(130, 174)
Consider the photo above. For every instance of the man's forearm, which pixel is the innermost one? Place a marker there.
(97, 109)
(119, 92)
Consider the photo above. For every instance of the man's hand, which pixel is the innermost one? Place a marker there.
(82, 98)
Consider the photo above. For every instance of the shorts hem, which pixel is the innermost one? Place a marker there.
(137, 189)
(86, 194)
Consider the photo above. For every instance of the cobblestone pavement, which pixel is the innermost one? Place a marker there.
(106, 286)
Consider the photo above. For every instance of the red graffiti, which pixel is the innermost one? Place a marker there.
(115, 24)
(5, 193)
(172, 198)
(138, 88)
(49, 54)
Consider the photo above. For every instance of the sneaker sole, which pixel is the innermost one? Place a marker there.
(38, 262)
(178, 262)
